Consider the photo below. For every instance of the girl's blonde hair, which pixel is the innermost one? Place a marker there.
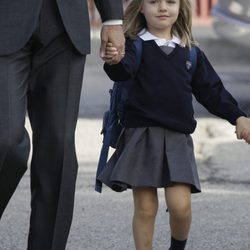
(134, 21)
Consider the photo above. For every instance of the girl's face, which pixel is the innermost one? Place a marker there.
(160, 15)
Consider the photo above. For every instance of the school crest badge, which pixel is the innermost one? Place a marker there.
(188, 65)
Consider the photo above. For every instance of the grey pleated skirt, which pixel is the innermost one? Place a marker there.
(151, 157)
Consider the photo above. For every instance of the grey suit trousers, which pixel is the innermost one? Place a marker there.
(45, 78)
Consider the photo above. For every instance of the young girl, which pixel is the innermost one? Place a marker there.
(155, 150)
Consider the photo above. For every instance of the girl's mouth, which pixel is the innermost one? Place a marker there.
(162, 17)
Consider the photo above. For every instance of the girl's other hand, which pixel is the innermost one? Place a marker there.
(243, 128)
(112, 55)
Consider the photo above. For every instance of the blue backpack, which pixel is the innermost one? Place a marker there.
(113, 119)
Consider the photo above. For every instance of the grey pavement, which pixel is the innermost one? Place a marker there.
(103, 221)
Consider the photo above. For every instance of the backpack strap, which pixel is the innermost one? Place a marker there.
(102, 160)
(193, 59)
(107, 138)
(138, 47)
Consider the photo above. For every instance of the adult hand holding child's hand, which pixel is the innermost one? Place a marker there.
(112, 34)
(111, 54)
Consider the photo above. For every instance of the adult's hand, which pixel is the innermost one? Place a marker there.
(113, 34)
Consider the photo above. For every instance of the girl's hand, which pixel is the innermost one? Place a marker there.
(243, 128)
(111, 54)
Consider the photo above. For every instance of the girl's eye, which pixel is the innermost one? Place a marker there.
(168, 1)
(157, 1)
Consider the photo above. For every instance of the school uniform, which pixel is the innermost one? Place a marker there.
(155, 149)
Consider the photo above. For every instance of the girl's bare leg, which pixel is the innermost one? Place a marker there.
(178, 200)
(145, 210)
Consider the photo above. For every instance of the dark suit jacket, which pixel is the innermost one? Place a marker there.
(18, 19)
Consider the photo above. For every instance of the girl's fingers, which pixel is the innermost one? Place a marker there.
(247, 138)
(110, 44)
(111, 49)
(238, 134)
(245, 134)
(109, 61)
(111, 56)
(242, 134)
(112, 61)
(108, 57)
(110, 53)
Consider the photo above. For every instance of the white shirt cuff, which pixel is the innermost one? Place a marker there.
(113, 22)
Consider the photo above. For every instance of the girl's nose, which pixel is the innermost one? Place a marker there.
(163, 6)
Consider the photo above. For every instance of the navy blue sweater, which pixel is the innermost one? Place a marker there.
(161, 93)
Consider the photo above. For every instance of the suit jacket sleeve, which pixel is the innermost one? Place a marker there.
(110, 9)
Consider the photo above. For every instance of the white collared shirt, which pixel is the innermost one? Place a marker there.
(113, 22)
(145, 35)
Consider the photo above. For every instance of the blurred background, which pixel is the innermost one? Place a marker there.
(232, 17)
(201, 11)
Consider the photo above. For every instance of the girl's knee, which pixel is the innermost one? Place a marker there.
(181, 211)
(178, 200)
(146, 212)
(146, 203)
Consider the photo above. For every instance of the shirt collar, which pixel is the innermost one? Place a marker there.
(145, 35)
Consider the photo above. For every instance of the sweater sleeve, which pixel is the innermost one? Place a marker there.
(209, 90)
(126, 67)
